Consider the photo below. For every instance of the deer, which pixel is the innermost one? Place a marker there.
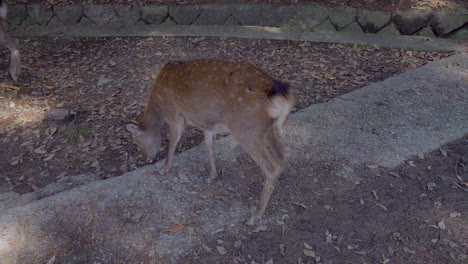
(11, 43)
(218, 97)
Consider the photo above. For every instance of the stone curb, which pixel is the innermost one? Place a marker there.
(389, 41)
(451, 23)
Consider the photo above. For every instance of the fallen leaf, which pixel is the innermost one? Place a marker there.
(352, 246)
(382, 206)
(15, 161)
(206, 248)
(51, 156)
(177, 228)
(306, 245)
(90, 220)
(35, 187)
(221, 250)
(219, 230)
(136, 217)
(40, 150)
(361, 252)
(282, 248)
(51, 260)
(431, 185)
(260, 228)
(455, 214)
(183, 177)
(441, 225)
(309, 253)
(443, 152)
(300, 204)
(269, 262)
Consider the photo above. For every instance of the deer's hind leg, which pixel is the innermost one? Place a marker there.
(15, 59)
(266, 150)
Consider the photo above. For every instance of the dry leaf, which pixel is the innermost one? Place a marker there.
(282, 248)
(136, 218)
(15, 161)
(35, 187)
(443, 152)
(206, 248)
(306, 245)
(455, 214)
(183, 177)
(382, 206)
(421, 156)
(441, 225)
(40, 150)
(309, 253)
(260, 228)
(49, 157)
(177, 228)
(51, 260)
(221, 250)
(90, 220)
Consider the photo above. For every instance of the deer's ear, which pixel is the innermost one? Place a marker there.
(134, 129)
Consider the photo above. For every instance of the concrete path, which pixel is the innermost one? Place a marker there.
(128, 217)
(407, 42)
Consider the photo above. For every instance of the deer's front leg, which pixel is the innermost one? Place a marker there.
(176, 128)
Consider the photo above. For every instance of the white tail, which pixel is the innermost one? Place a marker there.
(219, 97)
(11, 43)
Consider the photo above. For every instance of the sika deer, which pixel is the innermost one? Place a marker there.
(219, 97)
(11, 43)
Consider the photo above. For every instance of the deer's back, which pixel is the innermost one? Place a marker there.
(209, 92)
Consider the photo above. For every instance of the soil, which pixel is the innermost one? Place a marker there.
(415, 213)
(365, 4)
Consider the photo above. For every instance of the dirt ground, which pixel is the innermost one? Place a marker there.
(413, 214)
(367, 4)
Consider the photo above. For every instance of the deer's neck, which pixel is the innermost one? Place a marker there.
(152, 119)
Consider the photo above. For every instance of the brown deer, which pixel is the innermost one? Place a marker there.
(11, 43)
(224, 97)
